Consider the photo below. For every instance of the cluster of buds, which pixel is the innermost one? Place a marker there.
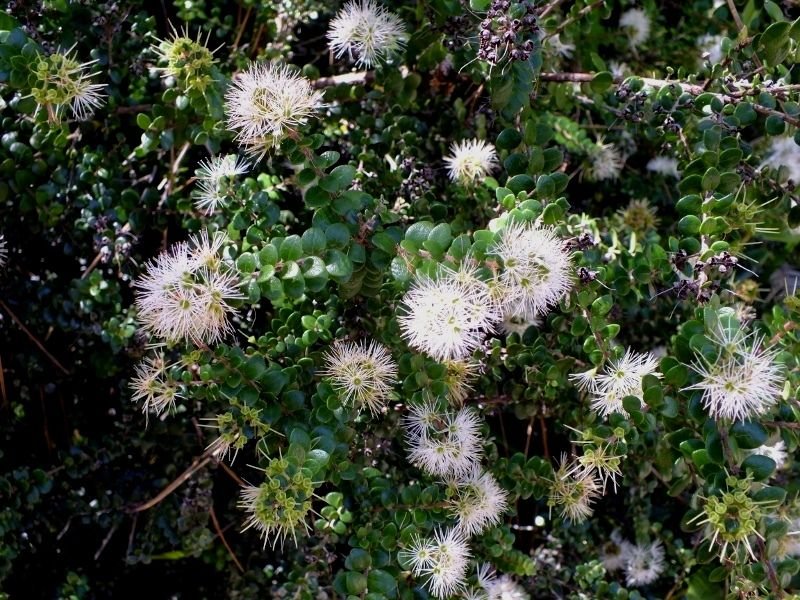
(700, 287)
(506, 31)
(417, 180)
(583, 241)
(723, 263)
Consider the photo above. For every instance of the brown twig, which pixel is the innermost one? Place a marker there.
(549, 8)
(32, 337)
(774, 583)
(105, 541)
(221, 535)
(197, 464)
(3, 384)
(241, 27)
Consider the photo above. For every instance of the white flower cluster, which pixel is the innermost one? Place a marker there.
(605, 161)
(61, 81)
(642, 563)
(184, 294)
(470, 161)
(153, 386)
(491, 587)
(215, 178)
(664, 165)
(619, 378)
(743, 380)
(447, 317)
(784, 152)
(636, 24)
(265, 104)
(366, 32)
(574, 489)
(363, 373)
(448, 444)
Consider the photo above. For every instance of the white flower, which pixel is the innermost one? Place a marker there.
(459, 377)
(3, 251)
(605, 161)
(711, 48)
(152, 385)
(60, 81)
(743, 380)
(471, 161)
(444, 443)
(184, 294)
(519, 325)
(784, 152)
(620, 378)
(618, 68)
(664, 165)
(266, 103)
(536, 271)
(558, 46)
(366, 32)
(573, 491)
(637, 24)
(505, 588)
(776, 452)
(363, 373)
(447, 317)
(443, 560)
(214, 181)
(602, 461)
(644, 564)
(478, 502)
(615, 553)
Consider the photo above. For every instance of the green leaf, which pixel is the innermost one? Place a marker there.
(291, 248)
(339, 179)
(382, 583)
(509, 139)
(749, 434)
(760, 467)
(601, 82)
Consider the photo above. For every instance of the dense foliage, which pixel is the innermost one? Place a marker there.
(448, 298)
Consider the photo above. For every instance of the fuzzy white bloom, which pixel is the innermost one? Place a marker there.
(615, 553)
(448, 317)
(537, 269)
(471, 160)
(776, 452)
(61, 81)
(573, 491)
(664, 165)
(267, 103)
(443, 560)
(366, 32)
(3, 251)
(459, 377)
(362, 373)
(444, 444)
(558, 46)
(618, 68)
(784, 152)
(152, 385)
(644, 564)
(619, 378)
(604, 463)
(478, 501)
(519, 325)
(711, 48)
(184, 294)
(605, 162)
(505, 588)
(743, 380)
(637, 24)
(214, 181)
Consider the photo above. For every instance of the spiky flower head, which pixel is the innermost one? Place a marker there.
(186, 60)
(664, 165)
(443, 443)
(267, 103)
(215, 181)
(639, 216)
(230, 438)
(61, 81)
(153, 386)
(605, 161)
(777, 452)
(3, 251)
(619, 378)
(573, 491)
(442, 560)
(458, 378)
(470, 161)
(185, 293)
(505, 588)
(602, 461)
(447, 316)
(644, 563)
(519, 325)
(366, 32)
(537, 269)
(742, 380)
(363, 373)
(636, 24)
(784, 153)
(731, 518)
(278, 507)
(615, 552)
(477, 502)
